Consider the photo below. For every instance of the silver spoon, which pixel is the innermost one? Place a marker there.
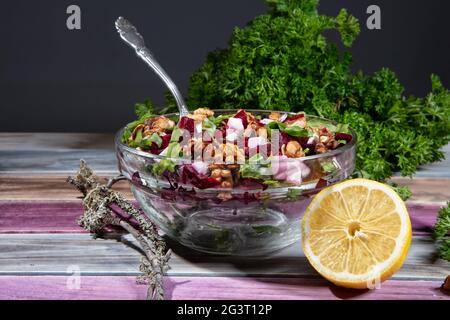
(130, 35)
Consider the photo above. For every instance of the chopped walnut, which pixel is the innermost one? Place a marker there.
(292, 149)
(157, 124)
(205, 111)
(224, 176)
(228, 175)
(326, 141)
(320, 148)
(195, 149)
(262, 132)
(229, 153)
(274, 116)
(201, 114)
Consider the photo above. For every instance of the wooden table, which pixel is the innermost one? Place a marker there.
(42, 249)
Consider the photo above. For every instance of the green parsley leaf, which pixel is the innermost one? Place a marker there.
(328, 167)
(154, 138)
(163, 165)
(294, 131)
(144, 110)
(282, 61)
(441, 232)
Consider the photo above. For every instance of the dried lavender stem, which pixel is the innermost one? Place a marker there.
(98, 213)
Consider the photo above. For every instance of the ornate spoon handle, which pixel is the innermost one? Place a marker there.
(130, 35)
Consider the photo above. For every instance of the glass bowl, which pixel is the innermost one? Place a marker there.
(245, 220)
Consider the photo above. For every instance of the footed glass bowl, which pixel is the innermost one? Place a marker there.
(245, 220)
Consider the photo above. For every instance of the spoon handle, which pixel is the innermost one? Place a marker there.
(131, 36)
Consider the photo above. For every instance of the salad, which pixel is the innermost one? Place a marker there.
(237, 149)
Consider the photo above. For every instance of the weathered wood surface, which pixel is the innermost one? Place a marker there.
(43, 187)
(60, 153)
(53, 254)
(40, 242)
(207, 288)
(54, 187)
(40, 216)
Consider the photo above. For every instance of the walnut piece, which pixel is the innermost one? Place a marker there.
(326, 141)
(227, 174)
(274, 116)
(293, 149)
(201, 114)
(229, 153)
(157, 124)
(204, 111)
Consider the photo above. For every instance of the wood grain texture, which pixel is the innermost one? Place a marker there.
(38, 216)
(46, 141)
(53, 254)
(60, 153)
(209, 288)
(40, 242)
(427, 190)
(46, 187)
(55, 187)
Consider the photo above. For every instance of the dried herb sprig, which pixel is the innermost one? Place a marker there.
(100, 204)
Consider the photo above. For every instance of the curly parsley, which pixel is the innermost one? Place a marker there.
(282, 61)
(441, 232)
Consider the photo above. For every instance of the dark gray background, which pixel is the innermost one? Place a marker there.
(53, 79)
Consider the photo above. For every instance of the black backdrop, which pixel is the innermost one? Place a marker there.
(53, 79)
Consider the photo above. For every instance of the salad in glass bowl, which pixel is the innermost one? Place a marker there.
(233, 181)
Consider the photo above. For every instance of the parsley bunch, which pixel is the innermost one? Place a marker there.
(282, 61)
(441, 232)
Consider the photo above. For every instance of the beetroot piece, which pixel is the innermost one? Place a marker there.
(165, 142)
(285, 138)
(241, 114)
(250, 183)
(312, 148)
(294, 118)
(187, 124)
(190, 175)
(303, 142)
(343, 136)
(322, 183)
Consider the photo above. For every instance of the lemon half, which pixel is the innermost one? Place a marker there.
(356, 233)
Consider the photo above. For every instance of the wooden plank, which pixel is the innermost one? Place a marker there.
(427, 190)
(56, 161)
(46, 141)
(210, 288)
(60, 153)
(43, 187)
(55, 187)
(60, 216)
(53, 254)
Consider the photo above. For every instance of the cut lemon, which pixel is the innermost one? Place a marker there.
(356, 233)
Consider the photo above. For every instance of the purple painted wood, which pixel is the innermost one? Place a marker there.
(208, 288)
(61, 216)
